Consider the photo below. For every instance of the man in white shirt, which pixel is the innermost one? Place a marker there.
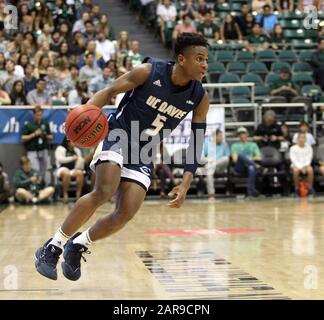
(105, 47)
(301, 155)
(167, 14)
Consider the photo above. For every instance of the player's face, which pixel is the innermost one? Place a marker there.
(195, 62)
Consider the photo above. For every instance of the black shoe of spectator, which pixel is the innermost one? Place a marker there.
(253, 194)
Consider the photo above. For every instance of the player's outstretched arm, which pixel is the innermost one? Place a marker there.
(126, 82)
(194, 152)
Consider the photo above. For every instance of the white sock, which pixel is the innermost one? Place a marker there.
(83, 239)
(59, 238)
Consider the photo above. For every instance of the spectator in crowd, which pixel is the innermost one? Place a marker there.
(90, 70)
(285, 5)
(189, 9)
(202, 9)
(268, 132)
(86, 6)
(36, 137)
(17, 95)
(249, 22)
(302, 4)
(5, 191)
(162, 171)
(29, 79)
(284, 86)
(217, 153)
(317, 63)
(98, 59)
(267, 19)
(53, 86)
(244, 155)
(29, 184)
(286, 142)
(125, 67)
(23, 60)
(301, 156)
(62, 67)
(4, 98)
(39, 96)
(257, 40)
(208, 28)
(45, 51)
(69, 83)
(45, 36)
(134, 54)
(63, 12)
(2, 64)
(79, 94)
(56, 41)
(89, 33)
(79, 25)
(65, 33)
(304, 128)
(77, 45)
(230, 30)
(70, 166)
(8, 79)
(123, 43)
(95, 14)
(277, 38)
(43, 16)
(101, 81)
(112, 64)
(64, 51)
(241, 18)
(106, 27)
(40, 71)
(105, 47)
(257, 5)
(167, 14)
(185, 26)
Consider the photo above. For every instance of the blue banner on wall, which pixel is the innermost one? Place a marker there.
(12, 122)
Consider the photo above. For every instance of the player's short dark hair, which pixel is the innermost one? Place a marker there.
(186, 40)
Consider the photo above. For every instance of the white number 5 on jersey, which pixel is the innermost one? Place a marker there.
(157, 125)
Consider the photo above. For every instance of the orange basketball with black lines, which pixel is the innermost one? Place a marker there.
(86, 126)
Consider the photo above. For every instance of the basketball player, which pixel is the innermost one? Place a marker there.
(159, 94)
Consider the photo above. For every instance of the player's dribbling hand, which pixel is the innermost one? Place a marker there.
(180, 193)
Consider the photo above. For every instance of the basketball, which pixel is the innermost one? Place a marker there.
(86, 126)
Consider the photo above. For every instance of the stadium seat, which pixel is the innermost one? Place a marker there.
(294, 34)
(244, 56)
(291, 24)
(236, 67)
(262, 90)
(302, 79)
(287, 56)
(236, 7)
(266, 56)
(277, 66)
(271, 78)
(240, 92)
(228, 78)
(216, 67)
(302, 67)
(224, 56)
(252, 77)
(305, 56)
(257, 67)
(311, 90)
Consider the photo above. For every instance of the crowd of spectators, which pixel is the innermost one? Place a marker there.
(61, 54)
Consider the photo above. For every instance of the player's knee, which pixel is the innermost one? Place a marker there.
(103, 193)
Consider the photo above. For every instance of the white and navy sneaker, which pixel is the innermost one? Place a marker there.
(71, 266)
(47, 258)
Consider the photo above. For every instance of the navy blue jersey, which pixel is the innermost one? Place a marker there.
(157, 105)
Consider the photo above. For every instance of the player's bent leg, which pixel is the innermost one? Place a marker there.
(108, 179)
(130, 198)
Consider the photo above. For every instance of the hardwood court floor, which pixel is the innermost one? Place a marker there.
(231, 249)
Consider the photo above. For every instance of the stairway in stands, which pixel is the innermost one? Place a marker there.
(122, 18)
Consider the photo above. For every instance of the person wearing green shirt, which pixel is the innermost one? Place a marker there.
(29, 185)
(134, 54)
(257, 40)
(36, 135)
(284, 86)
(244, 154)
